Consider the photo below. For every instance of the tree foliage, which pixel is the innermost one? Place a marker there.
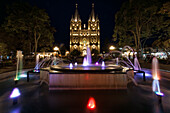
(134, 21)
(3, 49)
(30, 26)
(75, 53)
(162, 26)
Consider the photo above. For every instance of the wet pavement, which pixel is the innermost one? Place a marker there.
(38, 99)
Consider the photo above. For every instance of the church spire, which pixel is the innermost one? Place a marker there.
(92, 16)
(76, 15)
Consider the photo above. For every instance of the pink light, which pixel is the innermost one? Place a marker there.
(15, 93)
(97, 63)
(91, 104)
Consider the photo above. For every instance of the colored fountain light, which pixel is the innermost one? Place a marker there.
(156, 77)
(85, 63)
(155, 69)
(97, 63)
(71, 65)
(75, 64)
(103, 64)
(87, 59)
(35, 70)
(19, 65)
(117, 61)
(136, 64)
(91, 104)
(15, 93)
(159, 94)
(16, 78)
(24, 75)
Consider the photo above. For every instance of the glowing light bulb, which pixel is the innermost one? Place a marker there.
(103, 64)
(91, 104)
(71, 65)
(15, 93)
(75, 63)
(159, 93)
(97, 63)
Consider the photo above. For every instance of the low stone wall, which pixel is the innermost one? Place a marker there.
(65, 80)
(87, 81)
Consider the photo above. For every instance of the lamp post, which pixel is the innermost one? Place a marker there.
(56, 49)
(111, 48)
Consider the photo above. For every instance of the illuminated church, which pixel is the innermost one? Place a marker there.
(81, 37)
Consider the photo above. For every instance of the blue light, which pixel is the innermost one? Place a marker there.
(36, 70)
(23, 75)
(146, 74)
(15, 93)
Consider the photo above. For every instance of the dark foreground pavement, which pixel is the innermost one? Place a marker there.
(38, 99)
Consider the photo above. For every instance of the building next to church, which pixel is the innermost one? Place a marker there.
(82, 36)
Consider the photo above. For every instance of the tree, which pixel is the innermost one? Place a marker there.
(30, 24)
(94, 52)
(3, 49)
(162, 27)
(75, 53)
(132, 20)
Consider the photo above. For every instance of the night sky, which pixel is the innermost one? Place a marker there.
(60, 13)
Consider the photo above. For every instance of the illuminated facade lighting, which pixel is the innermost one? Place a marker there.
(84, 36)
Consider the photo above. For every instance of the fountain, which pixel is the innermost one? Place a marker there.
(87, 59)
(46, 62)
(88, 55)
(71, 65)
(86, 75)
(103, 64)
(136, 64)
(75, 64)
(37, 60)
(117, 61)
(19, 66)
(156, 77)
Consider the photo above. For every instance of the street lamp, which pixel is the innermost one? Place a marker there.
(112, 48)
(67, 52)
(56, 48)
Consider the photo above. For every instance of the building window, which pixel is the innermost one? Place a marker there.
(75, 46)
(76, 40)
(94, 40)
(93, 46)
(84, 40)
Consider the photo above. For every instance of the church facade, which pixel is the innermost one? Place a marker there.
(82, 37)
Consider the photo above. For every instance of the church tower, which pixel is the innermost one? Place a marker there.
(75, 28)
(94, 28)
(80, 37)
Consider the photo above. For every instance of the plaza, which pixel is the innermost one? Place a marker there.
(84, 57)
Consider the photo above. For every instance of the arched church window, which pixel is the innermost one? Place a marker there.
(93, 47)
(94, 40)
(75, 46)
(84, 40)
(76, 40)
